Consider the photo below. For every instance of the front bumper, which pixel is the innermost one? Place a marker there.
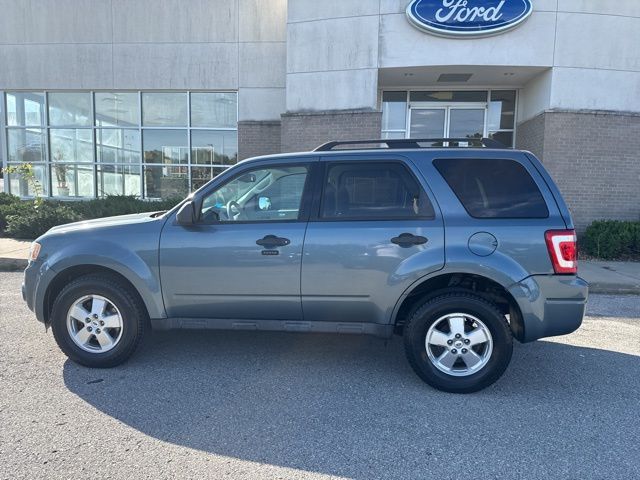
(37, 276)
(550, 305)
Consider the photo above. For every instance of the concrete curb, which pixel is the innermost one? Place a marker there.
(13, 264)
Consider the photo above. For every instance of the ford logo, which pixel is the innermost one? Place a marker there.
(468, 18)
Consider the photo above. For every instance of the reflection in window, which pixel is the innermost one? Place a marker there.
(201, 175)
(71, 145)
(72, 180)
(166, 181)
(165, 146)
(95, 143)
(214, 110)
(26, 145)
(164, 109)
(18, 185)
(25, 109)
(119, 180)
(210, 147)
(114, 145)
(70, 109)
(115, 109)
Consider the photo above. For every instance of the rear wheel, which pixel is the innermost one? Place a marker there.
(97, 321)
(458, 342)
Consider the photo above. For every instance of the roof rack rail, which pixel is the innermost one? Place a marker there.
(412, 143)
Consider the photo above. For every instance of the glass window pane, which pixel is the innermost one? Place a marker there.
(116, 145)
(119, 180)
(26, 145)
(117, 109)
(70, 109)
(502, 110)
(386, 135)
(263, 194)
(25, 108)
(166, 181)
(21, 187)
(201, 175)
(394, 110)
(449, 96)
(506, 138)
(164, 109)
(427, 123)
(375, 191)
(214, 110)
(466, 122)
(71, 145)
(72, 180)
(210, 147)
(165, 146)
(473, 181)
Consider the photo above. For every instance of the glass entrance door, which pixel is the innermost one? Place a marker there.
(428, 122)
(447, 121)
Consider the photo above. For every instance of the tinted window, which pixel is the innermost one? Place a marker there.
(493, 188)
(373, 190)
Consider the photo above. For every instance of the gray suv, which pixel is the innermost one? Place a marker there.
(457, 245)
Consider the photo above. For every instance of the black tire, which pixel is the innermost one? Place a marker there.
(132, 312)
(427, 314)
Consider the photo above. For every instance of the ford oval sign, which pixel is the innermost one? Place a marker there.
(468, 18)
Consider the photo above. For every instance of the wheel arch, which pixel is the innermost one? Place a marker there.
(65, 276)
(482, 286)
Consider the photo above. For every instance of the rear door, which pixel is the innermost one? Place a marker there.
(374, 230)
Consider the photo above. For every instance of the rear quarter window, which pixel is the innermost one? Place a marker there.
(493, 188)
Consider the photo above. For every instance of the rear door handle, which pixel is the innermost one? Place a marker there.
(271, 241)
(406, 240)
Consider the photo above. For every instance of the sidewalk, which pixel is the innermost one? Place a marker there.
(603, 276)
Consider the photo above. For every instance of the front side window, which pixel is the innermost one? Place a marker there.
(263, 194)
(493, 188)
(373, 191)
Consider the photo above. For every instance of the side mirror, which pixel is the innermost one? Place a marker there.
(186, 214)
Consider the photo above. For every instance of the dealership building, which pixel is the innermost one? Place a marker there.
(155, 97)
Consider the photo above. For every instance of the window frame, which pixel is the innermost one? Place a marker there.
(305, 201)
(541, 191)
(321, 182)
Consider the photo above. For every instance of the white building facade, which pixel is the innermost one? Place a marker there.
(153, 98)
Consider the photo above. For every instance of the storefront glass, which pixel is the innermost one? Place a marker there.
(92, 144)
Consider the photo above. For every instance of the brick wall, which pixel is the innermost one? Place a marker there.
(594, 157)
(305, 131)
(258, 138)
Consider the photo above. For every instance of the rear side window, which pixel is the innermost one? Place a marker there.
(493, 188)
(373, 191)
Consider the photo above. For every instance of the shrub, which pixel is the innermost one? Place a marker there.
(23, 219)
(35, 221)
(612, 239)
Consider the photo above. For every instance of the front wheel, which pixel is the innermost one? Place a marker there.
(97, 321)
(458, 342)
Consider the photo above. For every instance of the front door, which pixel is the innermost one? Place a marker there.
(447, 121)
(376, 232)
(242, 259)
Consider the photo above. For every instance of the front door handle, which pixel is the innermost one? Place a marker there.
(406, 240)
(271, 241)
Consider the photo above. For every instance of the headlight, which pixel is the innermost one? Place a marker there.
(34, 251)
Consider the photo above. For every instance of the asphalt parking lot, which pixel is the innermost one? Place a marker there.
(270, 405)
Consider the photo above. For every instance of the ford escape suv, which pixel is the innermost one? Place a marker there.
(457, 245)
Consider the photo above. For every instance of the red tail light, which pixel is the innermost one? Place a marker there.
(563, 250)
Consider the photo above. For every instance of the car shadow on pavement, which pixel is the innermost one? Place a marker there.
(351, 406)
